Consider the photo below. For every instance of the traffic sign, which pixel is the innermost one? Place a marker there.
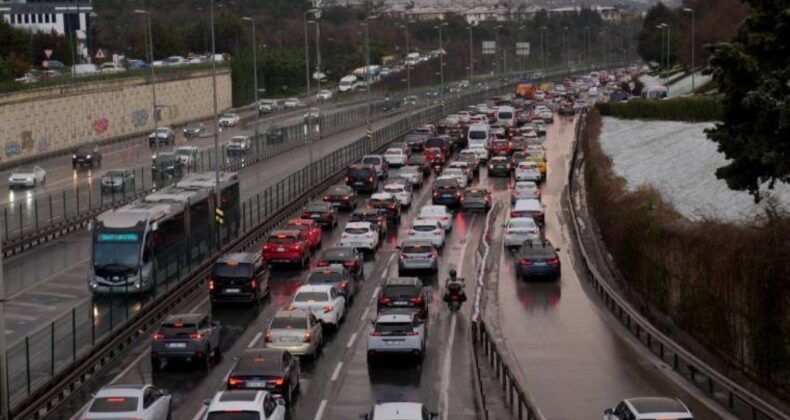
(99, 54)
(369, 134)
(489, 47)
(219, 215)
(522, 48)
(48, 53)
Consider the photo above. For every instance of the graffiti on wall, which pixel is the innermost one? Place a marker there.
(100, 125)
(42, 144)
(140, 117)
(27, 141)
(12, 149)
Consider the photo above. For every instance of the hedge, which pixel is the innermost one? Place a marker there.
(679, 109)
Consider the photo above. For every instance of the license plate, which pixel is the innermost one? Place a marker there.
(540, 264)
(400, 303)
(255, 384)
(176, 345)
(357, 244)
(289, 339)
(358, 183)
(392, 342)
(232, 290)
(280, 249)
(315, 216)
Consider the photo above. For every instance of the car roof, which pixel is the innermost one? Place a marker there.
(285, 232)
(433, 208)
(259, 360)
(121, 390)
(381, 196)
(402, 281)
(328, 269)
(528, 204)
(315, 288)
(396, 317)
(183, 318)
(425, 222)
(291, 313)
(238, 257)
(366, 225)
(417, 242)
(342, 250)
(657, 406)
(397, 411)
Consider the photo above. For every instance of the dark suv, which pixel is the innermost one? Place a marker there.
(443, 142)
(187, 337)
(350, 258)
(322, 213)
(446, 191)
(86, 156)
(336, 276)
(362, 177)
(273, 370)
(373, 215)
(537, 259)
(403, 292)
(238, 277)
(416, 142)
(389, 203)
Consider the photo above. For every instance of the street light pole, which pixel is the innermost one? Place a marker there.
(661, 27)
(217, 187)
(150, 48)
(693, 35)
(408, 64)
(441, 65)
(307, 52)
(471, 56)
(496, 51)
(367, 70)
(254, 72)
(544, 38)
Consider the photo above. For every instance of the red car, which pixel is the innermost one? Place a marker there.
(501, 147)
(434, 155)
(309, 229)
(286, 246)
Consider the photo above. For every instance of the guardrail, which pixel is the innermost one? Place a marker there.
(716, 386)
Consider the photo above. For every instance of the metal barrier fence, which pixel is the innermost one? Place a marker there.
(716, 386)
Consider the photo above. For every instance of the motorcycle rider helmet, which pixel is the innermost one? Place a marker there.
(452, 273)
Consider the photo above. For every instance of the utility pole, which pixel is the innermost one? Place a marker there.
(4, 404)
(471, 56)
(693, 35)
(307, 52)
(441, 65)
(217, 165)
(254, 73)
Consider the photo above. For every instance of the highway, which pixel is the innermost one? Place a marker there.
(574, 360)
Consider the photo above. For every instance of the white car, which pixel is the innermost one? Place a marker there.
(360, 235)
(399, 332)
(428, 230)
(644, 408)
(395, 157)
(437, 213)
(247, 404)
(524, 189)
(401, 191)
(480, 150)
(528, 171)
(325, 301)
(145, 402)
(292, 103)
(324, 94)
(520, 229)
(27, 176)
(239, 144)
(457, 173)
(547, 116)
(400, 411)
(229, 120)
(188, 155)
(413, 174)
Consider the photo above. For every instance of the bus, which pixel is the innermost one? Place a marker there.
(135, 245)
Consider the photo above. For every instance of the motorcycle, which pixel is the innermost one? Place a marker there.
(454, 297)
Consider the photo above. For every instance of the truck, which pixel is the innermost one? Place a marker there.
(347, 83)
(526, 90)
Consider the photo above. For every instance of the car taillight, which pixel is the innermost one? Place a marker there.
(411, 333)
(268, 337)
(158, 336)
(254, 284)
(350, 264)
(375, 333)
(346, 179)
(538, 214)
(323, 263)
(508, 166)
(326, 198)
(344, 235)
(404, 257)
(554, 261)
(437, 232)
(210, 284)
(436, 193)
(307, 337)
(525, 261)
(296, 247)
(370, 235)
(196, 336)
(370, 179)
(458, 194)
(267, 247)
(416, 300)
(328, 309)
(235, 381)
(277, 382)
(346, 198)
(444, 218)
(384, 300)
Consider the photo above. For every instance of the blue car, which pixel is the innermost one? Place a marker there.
(447, 191)
(538, 259)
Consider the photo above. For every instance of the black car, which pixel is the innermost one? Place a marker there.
(194, 130)
(446, 191)
(389, 203)
(416, 142)
(442, 142)
(476, 198)
(403, 292)
(474, 162)
(273, 370)
(537, 259)
(167, 167)
(324, 214)
(336, 276)
(238, 277)
(362, 177)
(499, 166)
(193, 338)
(373, 215)
(341, 196)
(350, 258)
(420, 161)
(86, 156)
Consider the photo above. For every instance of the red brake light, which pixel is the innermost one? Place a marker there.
(416, 300)
(328, 309)
(384, 300)
(210, 284)
(196, 336)
(278, 381)
(235, 381)
(346, 198)
(326, 198)
(323, 263)
(350, 264)
(375, 333)
(370, 179)
(268, 337)
(554, 261)
(116, 400)
(525, 261)
(254, 284)
(158, 336)
(411, 333)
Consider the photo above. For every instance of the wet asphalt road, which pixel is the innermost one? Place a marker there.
(339, 384)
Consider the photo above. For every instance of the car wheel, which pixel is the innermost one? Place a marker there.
(170, 410)
(34, 183)
(156, 364)
(218, 353)
(289, 396)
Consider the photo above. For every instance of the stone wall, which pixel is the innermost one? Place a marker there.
(45, 121)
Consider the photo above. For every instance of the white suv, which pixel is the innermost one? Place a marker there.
(397, 331)
(401, 191)
(395, 157)
(520, 229)
(399, 410)
(324, 301)
(360, 235)
(437, 213)
(528, 171)
(428, 230)
(252, 404)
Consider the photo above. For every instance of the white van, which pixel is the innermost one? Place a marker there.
(347, 83)
(506, 116)
(479, 134)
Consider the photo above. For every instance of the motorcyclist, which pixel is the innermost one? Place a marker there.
(454, 285)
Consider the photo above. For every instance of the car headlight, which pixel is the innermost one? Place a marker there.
(73, 156)
(88, 157)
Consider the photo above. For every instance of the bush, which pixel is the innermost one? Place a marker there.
(679, 109)
(726, 285)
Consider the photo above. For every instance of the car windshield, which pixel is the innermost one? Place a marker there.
(108, 251)
(446, 183)
(163, 130)
(394, 190)
(24, 170)
(415, 249)
(288, 322)
(325, 277)
(474, 194)
(338, 190)
(477, 135)
(237, 140)
(424, 228)
(234, 270)
(178, 329)
(431, 212)
(393, 328)
(311, 297)
(281, 239)
(356, 230)
(397, 291)
(233, 415)
(228, 116)
(521, 223)
(84, 150)
(113, 174)
(337, 254)
(360, 172)
(113, 405)
(526, 187)
(316, 207)
(505, 115)
(185, 152)
(371, 161)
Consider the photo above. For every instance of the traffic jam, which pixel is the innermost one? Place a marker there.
(379, 250)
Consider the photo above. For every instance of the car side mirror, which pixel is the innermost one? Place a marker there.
(215, 323)
(557, 249)
(280, 402)
(434, 414)
(206, 402)
(608, 412)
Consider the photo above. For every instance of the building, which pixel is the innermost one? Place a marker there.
(65, 17)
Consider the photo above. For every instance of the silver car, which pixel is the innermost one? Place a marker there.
(118, 180)
(27, 176)
(144, 402)
(295, 330)
(417, 255)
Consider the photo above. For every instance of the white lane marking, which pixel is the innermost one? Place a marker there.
(385, 273)
(199, 304)
(351, 340)
(254, 340)
(336, 373)
(200, 413)
(320, 412)
(447, 368)
(365, 314)
(134, 363)
(375, 294)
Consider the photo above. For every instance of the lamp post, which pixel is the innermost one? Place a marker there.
(471, 56)
(254, 71)
(544, 51)
(408, 63)
(693, 35)
(587, 40)
(521, 39)
(307, 50)
(218, 188)
(565, 46)
(314, 12)
(150, 48)
(498, 46)
(441, 64)
(661, 27)
(367, 68)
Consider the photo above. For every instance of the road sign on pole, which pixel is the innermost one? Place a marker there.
(522, 48)
(489, 47)
(219, 215)
(369, 134)
(48, 53)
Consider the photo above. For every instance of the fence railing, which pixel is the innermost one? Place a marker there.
(716, 386)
